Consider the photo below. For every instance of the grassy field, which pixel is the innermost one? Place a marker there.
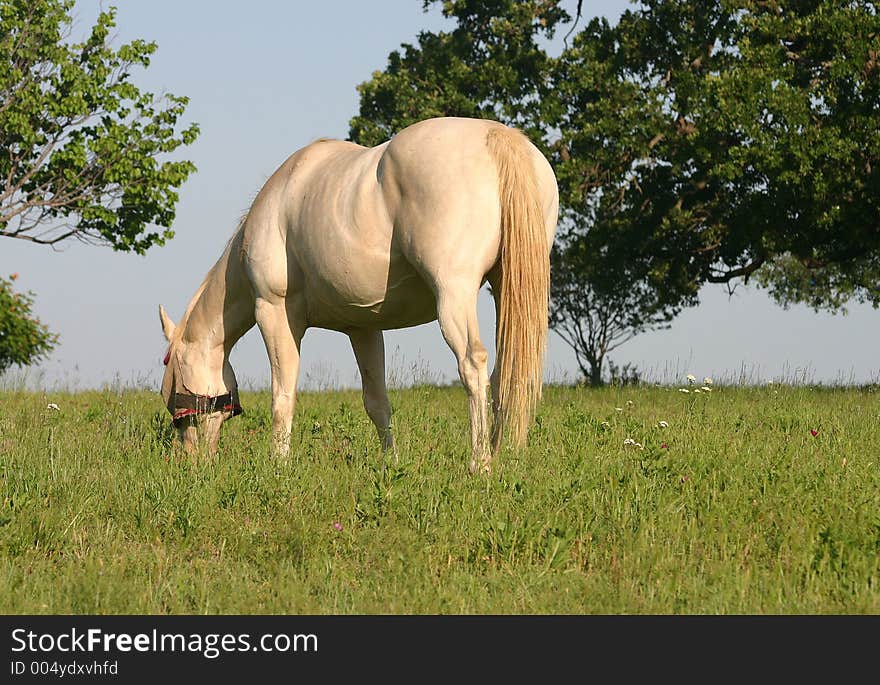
(751, 500)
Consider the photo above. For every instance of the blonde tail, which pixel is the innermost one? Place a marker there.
(525, 285)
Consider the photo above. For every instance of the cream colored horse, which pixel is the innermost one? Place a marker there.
(360, 240)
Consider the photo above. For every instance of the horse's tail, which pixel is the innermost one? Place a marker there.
(524, 285)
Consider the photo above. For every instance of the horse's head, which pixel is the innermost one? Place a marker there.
(198, 388)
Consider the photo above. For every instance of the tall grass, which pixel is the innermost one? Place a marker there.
(735, 507)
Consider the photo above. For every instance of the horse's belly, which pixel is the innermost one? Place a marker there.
(341, 298)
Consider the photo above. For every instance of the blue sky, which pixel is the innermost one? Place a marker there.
(266, 78)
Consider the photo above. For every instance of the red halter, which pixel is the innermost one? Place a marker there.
(186, 405)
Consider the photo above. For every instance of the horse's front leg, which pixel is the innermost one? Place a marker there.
(282, 335)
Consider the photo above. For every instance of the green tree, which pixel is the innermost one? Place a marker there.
(490, 65)
(84, 151)
(758, 142)
(23, 339)
(615, 275)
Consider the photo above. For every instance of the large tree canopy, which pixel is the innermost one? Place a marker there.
(83, 152)
(760, 135)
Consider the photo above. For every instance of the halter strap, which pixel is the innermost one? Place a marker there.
(192, 405)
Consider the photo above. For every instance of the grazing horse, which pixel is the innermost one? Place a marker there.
(360, 240)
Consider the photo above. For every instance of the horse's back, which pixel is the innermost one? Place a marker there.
(320, 233)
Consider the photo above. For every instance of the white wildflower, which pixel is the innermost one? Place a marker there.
(618, 408)
(629, 441)
(706, 388)
(639, 445)
(605, 424)
(683, 390)
(697, 391)
(53, 406)
(663, 424)
(691, 378)
(629, 403)
(707, 381)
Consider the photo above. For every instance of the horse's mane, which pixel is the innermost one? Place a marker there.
(195, 298)
(240, 225)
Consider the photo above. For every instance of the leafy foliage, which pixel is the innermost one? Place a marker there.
(615, 275)
(764, 127)
(491, 65)
(831, 287)
(83, 147)
(23, 339)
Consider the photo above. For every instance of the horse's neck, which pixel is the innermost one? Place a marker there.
(222, 309)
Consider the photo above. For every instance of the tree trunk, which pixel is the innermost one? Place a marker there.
(595, 375)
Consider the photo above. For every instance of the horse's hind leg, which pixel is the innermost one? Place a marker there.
(457, 314)
(282, 337)
(369, 350)
(495, 377)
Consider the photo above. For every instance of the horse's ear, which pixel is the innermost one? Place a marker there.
(167, 324)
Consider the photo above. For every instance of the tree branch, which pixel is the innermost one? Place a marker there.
(574, 24)
(742, 272)
(39, 241)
